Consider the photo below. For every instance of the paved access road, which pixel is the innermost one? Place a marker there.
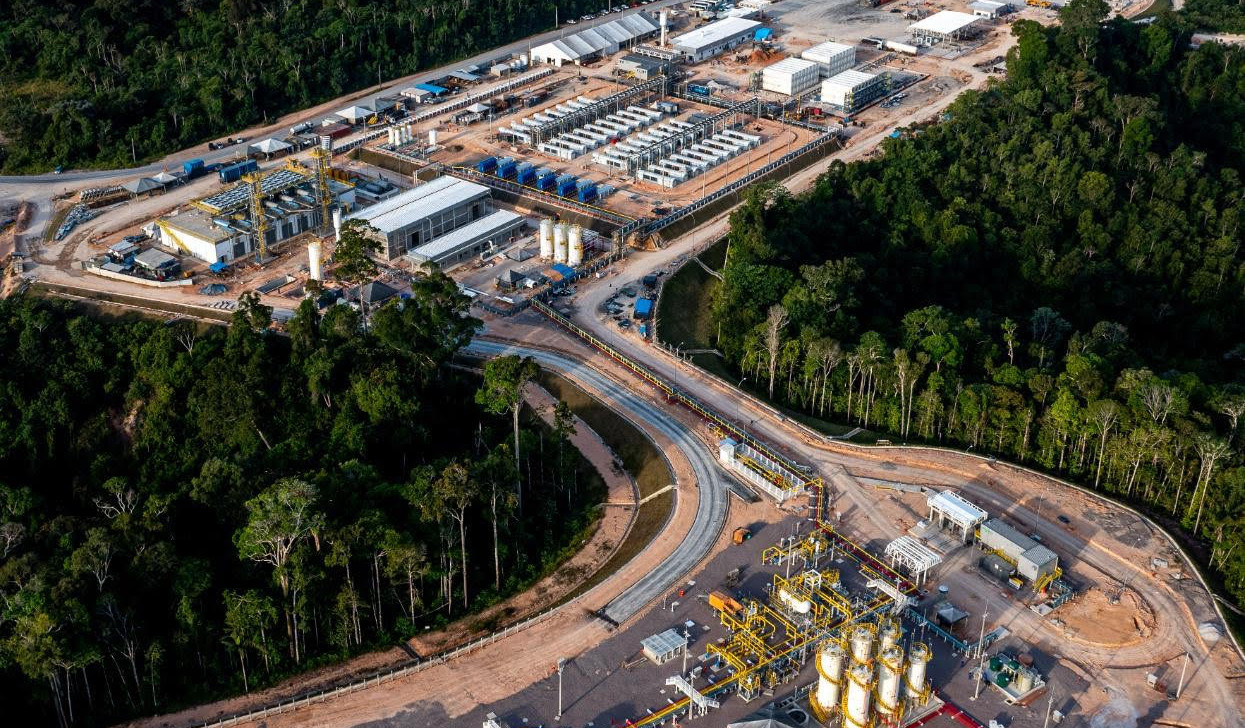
(713, 501)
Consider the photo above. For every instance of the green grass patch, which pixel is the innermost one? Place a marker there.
(684, 314)
(1156, 7)
(714, 256)
(640, 457)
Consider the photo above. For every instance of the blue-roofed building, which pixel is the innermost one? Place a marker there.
(432, 89)
(643, 308)
(762, 34)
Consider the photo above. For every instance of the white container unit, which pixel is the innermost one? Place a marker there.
(831, 58)
(791, 76)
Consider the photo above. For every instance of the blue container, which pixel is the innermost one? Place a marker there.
(488, 164)
(192, 168)
(506, 167)
(526, 175)
(588, 194)
(696, 88)
(234, 172)
(566, 189)
(547, 181)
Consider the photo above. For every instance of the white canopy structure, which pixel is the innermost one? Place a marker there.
(947, 506)
(355, 114)
(271, 146)
(944, 25)
(913, 555)
(141, 185)
(166, 178)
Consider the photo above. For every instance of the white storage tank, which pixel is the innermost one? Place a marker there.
(575, 246)
(432, 137)
(830, 671)
(831, 58)
(859, 697)
(862, 642)
(559, 243)
(890, 676)
(337, 222)
(1024, 680)
(314, 260)
(918, 658)
(797, 605)
(546, 238)
(791, 76)
(889, 633)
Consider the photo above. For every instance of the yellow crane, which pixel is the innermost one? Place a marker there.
(322, 156)
(259, 219)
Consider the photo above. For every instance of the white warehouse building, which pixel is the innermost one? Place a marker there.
(790, 76)
(851, 90)
(443, 221)
(709, 40)
(833, 58)
(945, 25)
(599, 40)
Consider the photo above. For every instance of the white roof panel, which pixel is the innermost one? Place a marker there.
(497, 222)
(823, 52)
(945, 21)
(713, 33)
(956, 508)
(791, 65)
(401, 210)
(850, 79)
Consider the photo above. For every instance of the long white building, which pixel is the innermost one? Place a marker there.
(832, 58)
(599, 40)
(709, 40)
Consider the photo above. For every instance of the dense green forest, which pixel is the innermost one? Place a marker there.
(190, 512)
(1226, 16)
(106, 83)
(1052, 273)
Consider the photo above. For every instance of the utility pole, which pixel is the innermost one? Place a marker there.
(981, 654)
(1180, 686)
(561, 666)
(1050, 702)
(685, 641)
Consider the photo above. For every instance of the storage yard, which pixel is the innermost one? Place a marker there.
(555, 181)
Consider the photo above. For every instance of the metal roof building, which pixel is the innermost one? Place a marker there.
(1005, 539)
(947, 506)
(853, 89)
(599, 40)
(710, 40)
(662, 648)
(833, 58)
(944, 25)
(440, 221)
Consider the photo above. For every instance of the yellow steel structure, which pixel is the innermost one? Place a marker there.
(259, 220)
(324, 195)
(809, 548)
(1045, 581)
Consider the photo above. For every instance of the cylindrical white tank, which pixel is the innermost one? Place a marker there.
(830, 669)
(890, 676)
(575, 257)
(337, 222)
(918, 658)
(664, 21)
(314, 260)
(859, 696)
(862, 642)
(559, 243)
(890, 633)
(1024, 680)
(432, 137)
(797, 605)
(406, 133)
(392, 136)
(545, 236)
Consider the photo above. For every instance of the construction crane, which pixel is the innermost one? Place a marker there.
(259, 220)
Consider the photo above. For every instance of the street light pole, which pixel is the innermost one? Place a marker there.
(561, 666)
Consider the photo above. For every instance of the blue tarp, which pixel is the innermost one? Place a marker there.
(431, 89)
(564, 269)
(643, 308)
(218, 267)
(762, 34)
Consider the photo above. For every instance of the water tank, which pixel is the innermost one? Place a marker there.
(546, 238)
(575, 251)
(890, 676)
(859, 696)
(432, 137)
(830, 675)
(1024, 681)
(392, 136)
(918, 659)
(313, 260)
(559, 243)
(337, 222)
(861, 641)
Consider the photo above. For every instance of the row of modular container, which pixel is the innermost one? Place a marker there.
(545, 180)
(698, 158)
(599, 132)
(617, 156)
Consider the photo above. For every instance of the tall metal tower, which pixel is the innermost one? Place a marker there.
(323, 156)
(259, 220)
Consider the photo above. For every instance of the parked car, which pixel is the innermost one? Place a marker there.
(572, 21)
(1063, 519)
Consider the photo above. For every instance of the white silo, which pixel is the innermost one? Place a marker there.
(314, 258)
(392, 136)
(918, 659)
(830, 669)
(664, 20)
(559, 243)
(575, 252)
(546, 238)
(859, 695)
(337, 223)
(432, 137)
(890, 677)
(861, 641)
(890, 633)
(406, 134)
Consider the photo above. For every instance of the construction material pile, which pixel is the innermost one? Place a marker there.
(78, 214)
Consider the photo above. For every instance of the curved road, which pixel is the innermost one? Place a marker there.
(714, 499)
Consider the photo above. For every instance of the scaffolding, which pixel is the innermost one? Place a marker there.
(918, 558)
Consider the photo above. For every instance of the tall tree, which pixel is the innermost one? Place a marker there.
(502, 391)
